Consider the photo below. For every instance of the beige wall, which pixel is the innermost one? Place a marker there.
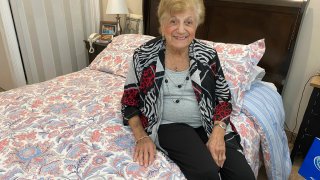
(6, 81)
(11, 69)
(134, 6)
(306, 62)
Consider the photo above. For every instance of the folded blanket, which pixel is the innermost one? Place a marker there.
(264, 106)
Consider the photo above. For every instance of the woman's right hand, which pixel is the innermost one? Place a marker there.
(145, 149)
(144, 152)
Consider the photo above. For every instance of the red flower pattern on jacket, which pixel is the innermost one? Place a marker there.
(147, 78)
(223, 109)
(130, 97)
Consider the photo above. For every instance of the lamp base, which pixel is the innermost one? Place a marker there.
(119, 30)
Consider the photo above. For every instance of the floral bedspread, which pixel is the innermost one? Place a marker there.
(70, 128)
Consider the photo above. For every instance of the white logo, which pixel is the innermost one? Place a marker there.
(316, 162)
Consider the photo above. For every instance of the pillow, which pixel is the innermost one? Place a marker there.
(237, 62)
(257, 73)
(114, 59)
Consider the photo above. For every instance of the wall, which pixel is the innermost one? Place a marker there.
(134, 6)
(11, 70)
(51, 34)
(306, 62)
(6, 81)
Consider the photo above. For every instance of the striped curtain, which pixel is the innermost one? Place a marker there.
(51, 34)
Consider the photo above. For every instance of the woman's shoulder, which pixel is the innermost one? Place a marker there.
(204, 45)
(205, 52)
(147, 52)
(150, 46)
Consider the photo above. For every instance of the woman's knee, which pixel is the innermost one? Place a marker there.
(239, 173)
(203, 173)
(247, 174)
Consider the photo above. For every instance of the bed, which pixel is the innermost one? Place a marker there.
(70, 127)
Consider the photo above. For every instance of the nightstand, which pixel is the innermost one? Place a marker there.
(98, 47)
(310, 125)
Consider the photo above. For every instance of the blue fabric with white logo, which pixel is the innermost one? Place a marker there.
(310, 168)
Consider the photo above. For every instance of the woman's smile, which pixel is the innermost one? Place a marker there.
(179, 30)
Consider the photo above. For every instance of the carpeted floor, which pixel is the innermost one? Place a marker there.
(295, 168)
(297, 162)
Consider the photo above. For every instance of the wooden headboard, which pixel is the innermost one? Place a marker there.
(245, 21)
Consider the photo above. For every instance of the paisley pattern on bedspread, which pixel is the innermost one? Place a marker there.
(71, 128)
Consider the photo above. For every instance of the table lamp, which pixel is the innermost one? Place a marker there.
(117, 7)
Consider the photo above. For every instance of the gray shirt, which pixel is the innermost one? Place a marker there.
(179, 101)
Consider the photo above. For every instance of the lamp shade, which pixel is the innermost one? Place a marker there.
(117, 7)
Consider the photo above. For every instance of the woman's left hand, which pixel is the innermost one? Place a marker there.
(216, 145)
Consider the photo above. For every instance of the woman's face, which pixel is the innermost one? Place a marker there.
(179, 29)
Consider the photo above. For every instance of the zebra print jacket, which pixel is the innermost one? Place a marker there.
(143, 95)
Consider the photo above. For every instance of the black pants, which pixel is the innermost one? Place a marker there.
(186, 147)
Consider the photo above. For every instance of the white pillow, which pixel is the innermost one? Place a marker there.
(114, 59)
(238, 62)
(257, 73)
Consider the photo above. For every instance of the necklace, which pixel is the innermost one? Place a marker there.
(183, 84)
(181, 62)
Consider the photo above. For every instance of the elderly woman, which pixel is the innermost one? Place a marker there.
(176, 99)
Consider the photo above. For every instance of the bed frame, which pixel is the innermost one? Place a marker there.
(245, 21)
